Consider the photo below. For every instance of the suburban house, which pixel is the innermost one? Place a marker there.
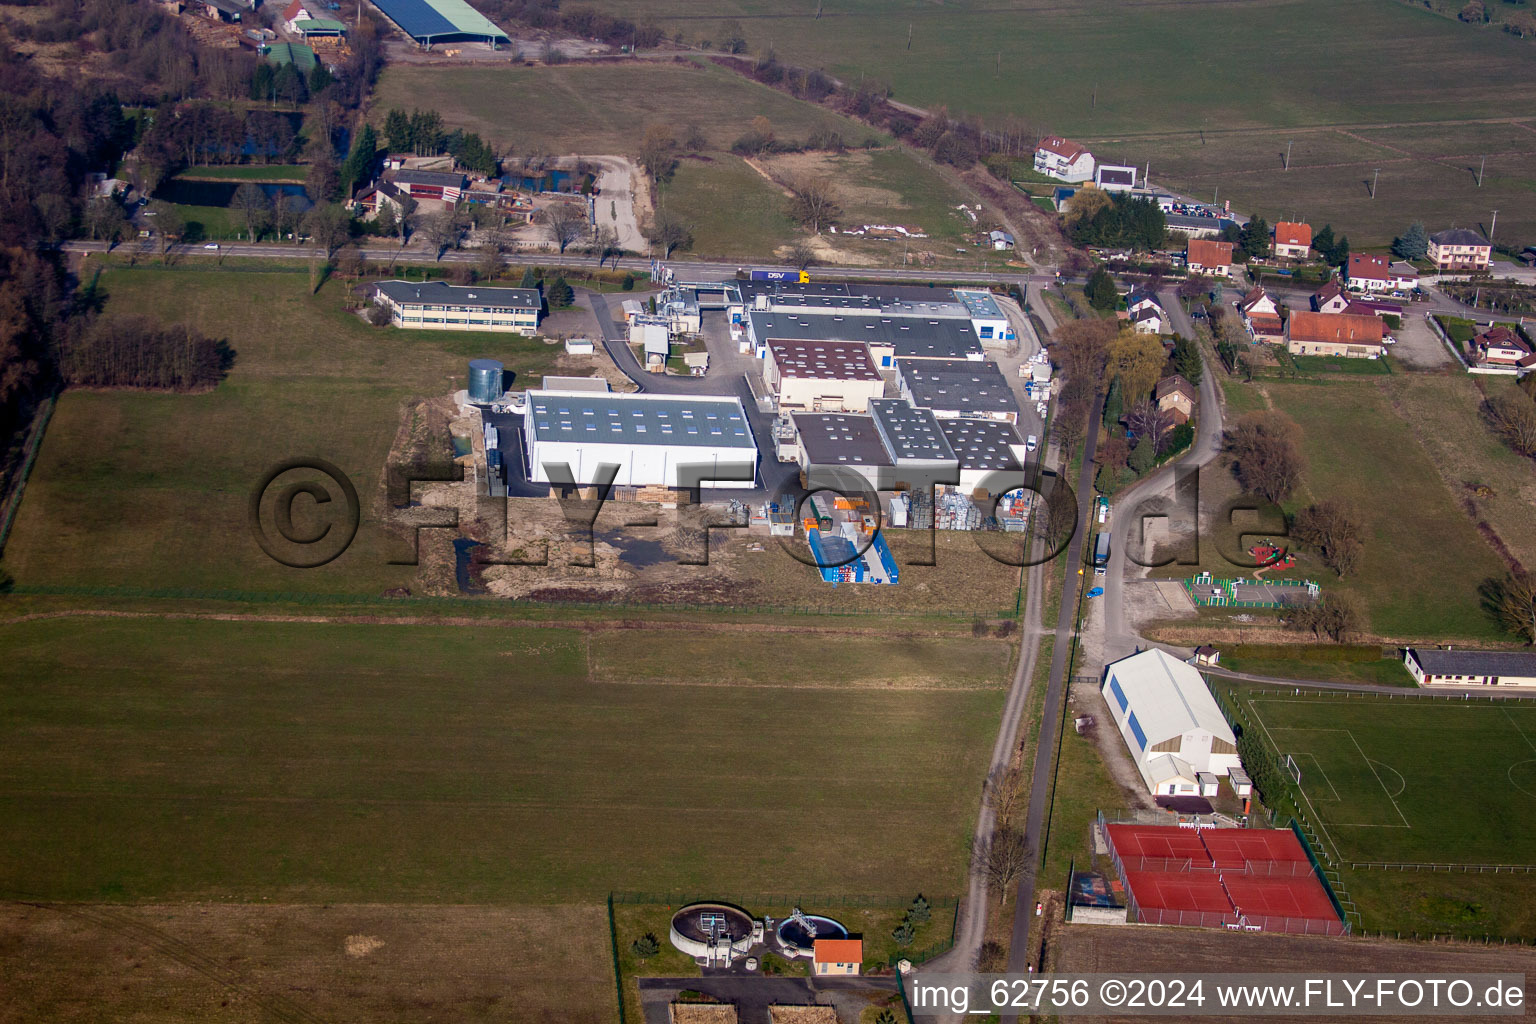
(1369, 273)
(1503, 348)
(439, 306)
(1145, 314)
(379, 196)
(838, 956)
(1460, 249)
(1206, 655)
(822, 376)
(1176, 395)
(1064, 160)
(447, 186)
(1207, 257)
(999, 239)
(1169, 721)
(1115, 177)
(1470, 668)
(1330, 298)
(1293, 241)
(1262, 315)
(1334, 334)
(295, 13)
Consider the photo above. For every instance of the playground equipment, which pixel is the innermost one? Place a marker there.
(1271, 557)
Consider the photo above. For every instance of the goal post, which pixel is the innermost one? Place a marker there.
(1292, 768)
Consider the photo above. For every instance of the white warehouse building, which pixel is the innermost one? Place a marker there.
(653, 440)
(1170, 723)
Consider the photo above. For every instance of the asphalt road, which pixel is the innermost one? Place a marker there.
(1050, 719)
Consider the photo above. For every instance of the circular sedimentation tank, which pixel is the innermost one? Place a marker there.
(484, 381)
(796, 940)
(698, 926)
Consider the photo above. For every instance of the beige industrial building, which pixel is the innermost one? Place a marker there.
(821, 376)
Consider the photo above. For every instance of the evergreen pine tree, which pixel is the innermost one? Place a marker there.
(1114, 405)
(1144, 455)
(1412, 244)
(529, 280)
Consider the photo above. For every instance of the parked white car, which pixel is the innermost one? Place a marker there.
(1031, 443)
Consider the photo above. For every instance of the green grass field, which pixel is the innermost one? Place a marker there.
(733, 211)
(164, 759)
(143, 489)
(1424, 559)
(602, 108)
(1377, 777)
(1213, 116)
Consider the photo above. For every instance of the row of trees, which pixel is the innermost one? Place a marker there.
(1094, 217)
(138, 352)
(1512, 415)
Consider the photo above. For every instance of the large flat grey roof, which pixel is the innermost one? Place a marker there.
(982, 444)
(979, 304)
(443, 293)
(910, 435)
(880, 293)
(840, 439)
(908, 336)
(957, 385)
(1476, 663)
(596, 418)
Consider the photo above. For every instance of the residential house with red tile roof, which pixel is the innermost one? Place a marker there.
(1063, 159)
(1207, 257)
(1293, 240)
(1334, 334)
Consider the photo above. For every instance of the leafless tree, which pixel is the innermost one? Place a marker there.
(671, 233)
(1337, 616)
(814, 201)
(657, 152)
(1005, 792)
(254, 205)
(1334, 528)
(1513, 603)
(1513, 417)
(566, 223)
(801, 254)
(441, 231)
(1005, 856)
(1071, 424)
(1265, 457)
(1145, 419)
(1082, 349)
(1060, 514)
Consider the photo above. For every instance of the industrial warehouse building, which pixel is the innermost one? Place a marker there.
(438, 306)
(817, 376)
(1170, 723)
(889, 337)
(952, 388)
(990, 454)
(842, 451)
(915, 443)
(652, 440)
(1431, 667)
(441, 21)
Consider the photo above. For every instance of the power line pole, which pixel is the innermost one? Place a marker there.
(1288, 146)
(1481, 164)
(1493, 226)
(1374, 178)
(909, 35)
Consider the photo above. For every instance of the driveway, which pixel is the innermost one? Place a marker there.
(617, 181)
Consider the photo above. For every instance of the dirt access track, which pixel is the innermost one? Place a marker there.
(1087, 949)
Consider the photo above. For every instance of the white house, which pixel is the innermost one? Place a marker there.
(653, 440)
(1169, 721)
(1369, 273)
(1431, 667)
(1063, 159)
(295, 13)
(1293, 240)
(1115, 177)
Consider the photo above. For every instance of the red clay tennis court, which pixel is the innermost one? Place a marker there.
(1158, 841)
(1200, 892)
(1231, 847)
(1300, 897)
(1256, 879)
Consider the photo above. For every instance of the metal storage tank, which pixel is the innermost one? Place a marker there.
(484, 381)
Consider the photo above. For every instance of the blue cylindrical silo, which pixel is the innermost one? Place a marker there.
(484, 381)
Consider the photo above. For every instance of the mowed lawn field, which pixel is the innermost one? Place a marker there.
(1376, 774)
(1428, 173)
(175, 760)
(143, 489)
(599, 108)
(1424, 559)
(1081, 70)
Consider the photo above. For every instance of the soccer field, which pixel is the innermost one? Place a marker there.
(1408, 780)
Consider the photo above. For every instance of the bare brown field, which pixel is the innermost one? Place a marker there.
(243, 963)
(1150, 950)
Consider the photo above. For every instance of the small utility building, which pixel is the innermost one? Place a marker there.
(1169, 721)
